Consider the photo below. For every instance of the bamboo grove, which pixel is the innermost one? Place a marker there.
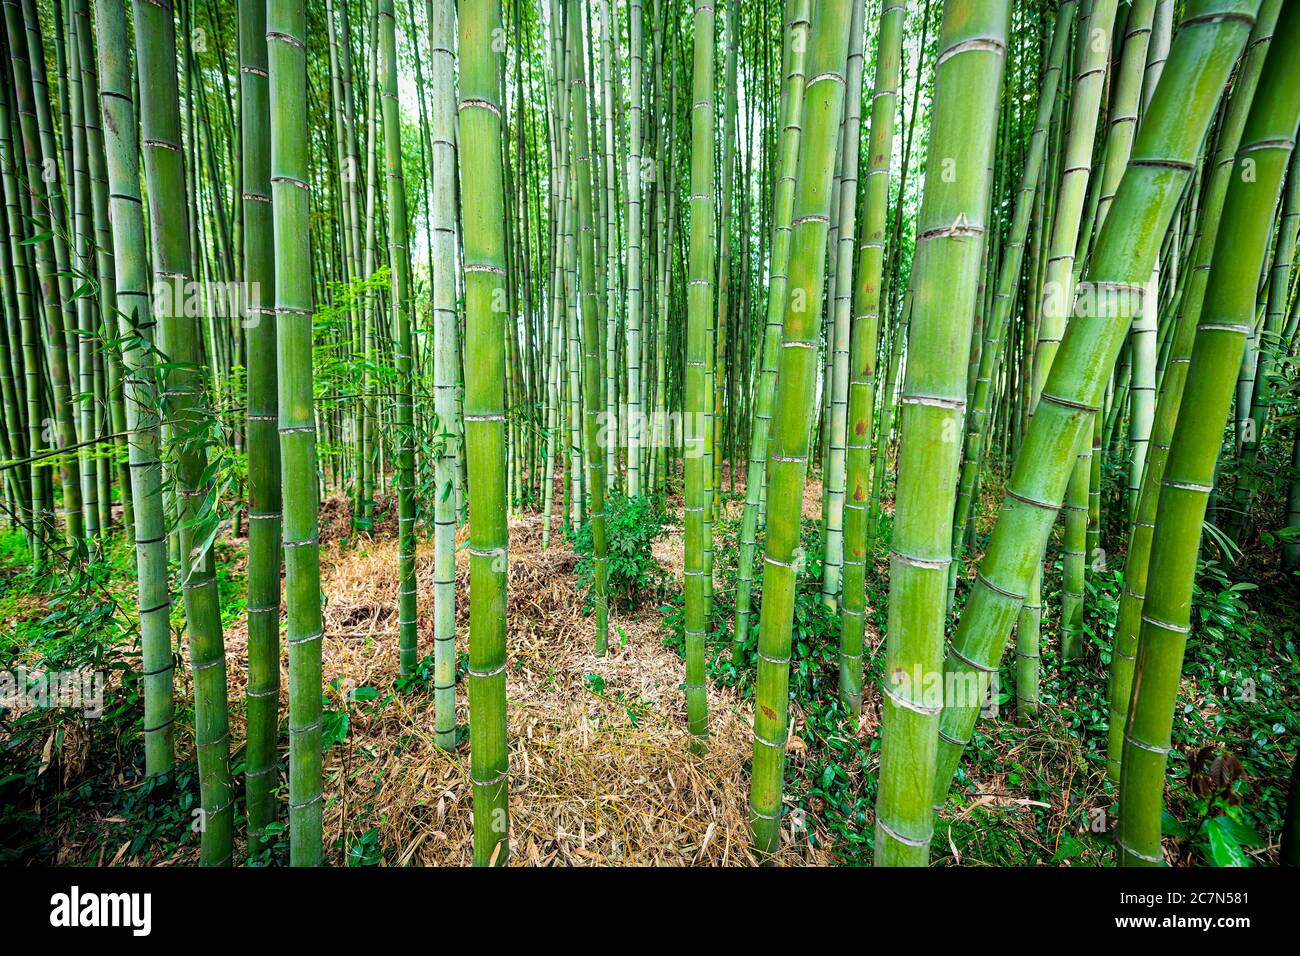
(961, 305)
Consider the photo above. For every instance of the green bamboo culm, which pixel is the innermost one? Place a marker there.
(1201, 58)
(1227, 320)
(1123, 121)
(1271, 337)
(442, 17)
(1094, 47)
(142, 399)
(14, 437)
(113, 456)
(592, 338)
(188, 414)
(793, 408)
(951, 235)
(483, 215)
(400, 302)
(839, 316)
(559, 192)
(794, 57)
(862, 350)
(1008, 279)
(45, 208)
(698, 400)
(634, 233)
(11, 245)
(78, 178)
(286, 32)
(1128, 623)
(262, 699)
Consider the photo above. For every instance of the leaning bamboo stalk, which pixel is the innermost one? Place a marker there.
(1262, 399)
(46, 212)
(1227, 321)
(39, 510)
(1201, 58)
(1128, 622)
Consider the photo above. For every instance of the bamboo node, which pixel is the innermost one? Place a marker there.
(895, 835)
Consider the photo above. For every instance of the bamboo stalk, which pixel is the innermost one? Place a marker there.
(1227, 320)
(286, 43)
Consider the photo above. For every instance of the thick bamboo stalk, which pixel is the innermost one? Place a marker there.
(698, 405)
(442, 20)
(1227, 320)
(132, 271)
(555, 411)
(951, 233)
(400, 304)
(591, 331)
(1271, 344)
(845, 233)
(187, 411)
(792, 101)
(634, 268)
(286, 42)
(1058, 291)
(265, 552)
(1129, 619)
(1008, 281)
(483, 216)
(1201, 59)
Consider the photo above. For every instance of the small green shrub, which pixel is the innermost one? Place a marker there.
(631, 526)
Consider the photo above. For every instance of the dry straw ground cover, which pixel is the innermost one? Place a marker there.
(600, 767)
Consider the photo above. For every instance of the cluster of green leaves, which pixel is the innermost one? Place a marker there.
(625, 710)
(631, 526)
(1218, 831)
(61, 768)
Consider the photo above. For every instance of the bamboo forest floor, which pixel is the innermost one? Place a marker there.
(601, 771)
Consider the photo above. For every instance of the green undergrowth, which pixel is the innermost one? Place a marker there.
(1038, 794)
